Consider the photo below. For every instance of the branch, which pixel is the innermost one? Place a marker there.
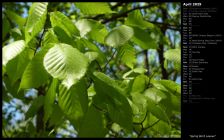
(147, 62)
(168, 26)
(143, 129)
(40, 112)
(124, 14)
(141, 123)
(160, 50)
(39, 43)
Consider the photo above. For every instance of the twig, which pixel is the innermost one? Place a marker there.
(109, 60)
(124, 14)
(142, 120)
(98, 108)
(45, 24)
(143, 129)
(168, 26)
(98, 65)
(40, 40)
(151, 125)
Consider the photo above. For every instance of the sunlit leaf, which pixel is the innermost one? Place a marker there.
(119, 36)
(12, 50)
(61, 21)
(85, 26)
(16, 67)
(36, 20)
(65, 63)
(91, 55)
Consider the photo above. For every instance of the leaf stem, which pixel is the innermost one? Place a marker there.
(104, 68)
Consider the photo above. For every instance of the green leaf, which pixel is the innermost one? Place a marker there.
(109, 96)
(172, 102)
(168, 86)
(93, 124)
(16, 18)
(127, 55)
(49, 37)
(119, 36)
(6, 28)
(11, 50)
(65, 63)
(116, 127)
(17, 34)
(139, 107)
(63, 37)
(162, 128)
(92, 47)
(140, 83)
(16, 67)
(74, 102)
(49, 100)
(59, 20)
(143, 39)
(37, 103)
(35, 75)
(173, 92)
(57, 116)
(91, 56)
(133, 73)
(93, 8)
(36, 20)
(157, 111)
(12, 88)
(86, 25)
(92, 29)
(174, 55)
(135, 19)
(155, 94)
(98, 34)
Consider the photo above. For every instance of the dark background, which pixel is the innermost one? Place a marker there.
(203, 118)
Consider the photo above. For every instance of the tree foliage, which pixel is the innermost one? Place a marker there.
(91, 69)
